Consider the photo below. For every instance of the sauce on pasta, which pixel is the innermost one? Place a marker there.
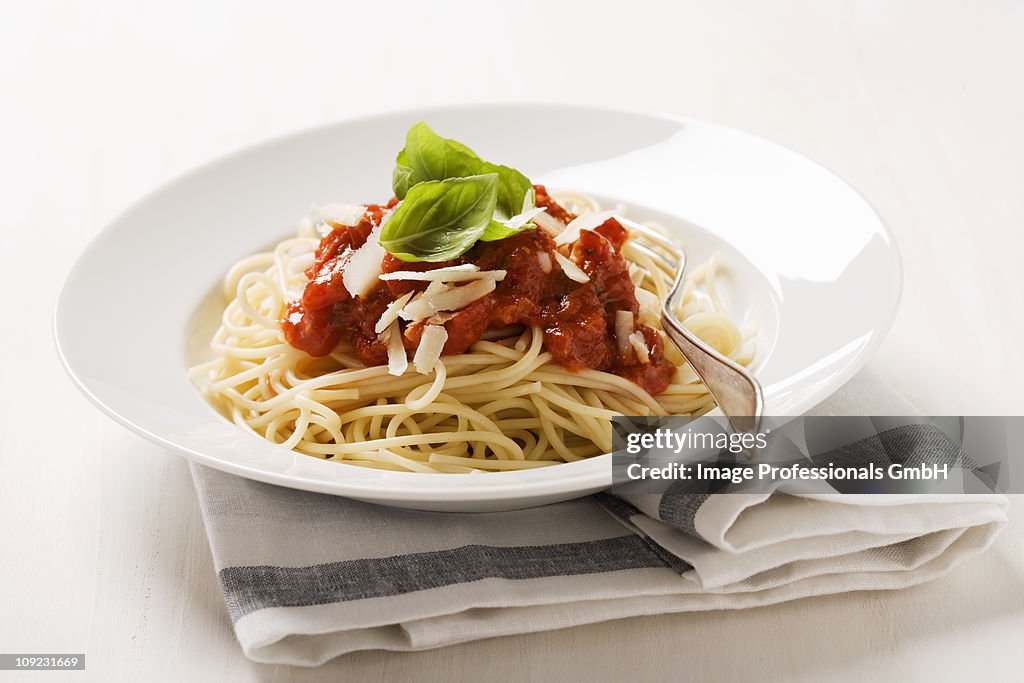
(578, 319)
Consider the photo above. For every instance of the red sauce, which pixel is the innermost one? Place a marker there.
(543, 199)
(578, 319)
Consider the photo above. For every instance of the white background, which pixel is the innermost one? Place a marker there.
(920, 105)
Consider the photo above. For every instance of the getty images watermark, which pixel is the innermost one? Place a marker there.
(826, 455)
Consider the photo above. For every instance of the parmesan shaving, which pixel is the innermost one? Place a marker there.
(342, 214)
(451, 299)
(398, 362)
(549, 223)
(428, 353)
(571, 270)
(587, 221)
(461, 268)
(441, 318)
(450, 274)
(623, 328)
(639, 344)
(529, 200)
(436, 287)
(363, 269)
(521, 219)
(315, 220)
(390, 313)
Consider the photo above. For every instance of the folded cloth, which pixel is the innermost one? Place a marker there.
(308, 577)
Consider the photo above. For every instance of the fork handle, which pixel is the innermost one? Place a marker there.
(735, 390)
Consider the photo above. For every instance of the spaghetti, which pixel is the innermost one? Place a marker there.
(504, 404)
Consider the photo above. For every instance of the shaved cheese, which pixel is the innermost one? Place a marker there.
(424, 305)
(545, 261)
(571, 270)
(390, 313)
(363, 269)
(449, 274)
(436, 287)
(452, 299)
(430, 348)
(587, 221)
(529, 200)
(549, 223)
(398, 362)
(650, 305)
(342, 214)
(623, 328)
(521, 219)
(461, 268)
(639, 345)
(441, 318)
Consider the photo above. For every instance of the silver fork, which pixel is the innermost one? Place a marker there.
(736, 391)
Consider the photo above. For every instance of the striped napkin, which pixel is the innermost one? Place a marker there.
(307, 577)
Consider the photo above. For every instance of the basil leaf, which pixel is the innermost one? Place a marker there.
(440, 219)
(513, 187)
(438, 158)
(428, 156)
(497, 230)
(401, 177)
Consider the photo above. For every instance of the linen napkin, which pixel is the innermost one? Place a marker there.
(307, 577)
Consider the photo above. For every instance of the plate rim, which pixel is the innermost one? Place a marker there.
(499, 486)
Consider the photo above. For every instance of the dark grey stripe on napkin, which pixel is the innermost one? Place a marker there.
(680, 509)
(626, 512)
(248, 589)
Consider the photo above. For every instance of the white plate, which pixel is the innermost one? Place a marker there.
(810, 264)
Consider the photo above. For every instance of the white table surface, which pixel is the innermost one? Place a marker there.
(918, 104)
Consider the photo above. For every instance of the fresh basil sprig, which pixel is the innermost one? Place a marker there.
(441, 219)
(427, 156)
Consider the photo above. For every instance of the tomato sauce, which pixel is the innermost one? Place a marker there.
(578, 319)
